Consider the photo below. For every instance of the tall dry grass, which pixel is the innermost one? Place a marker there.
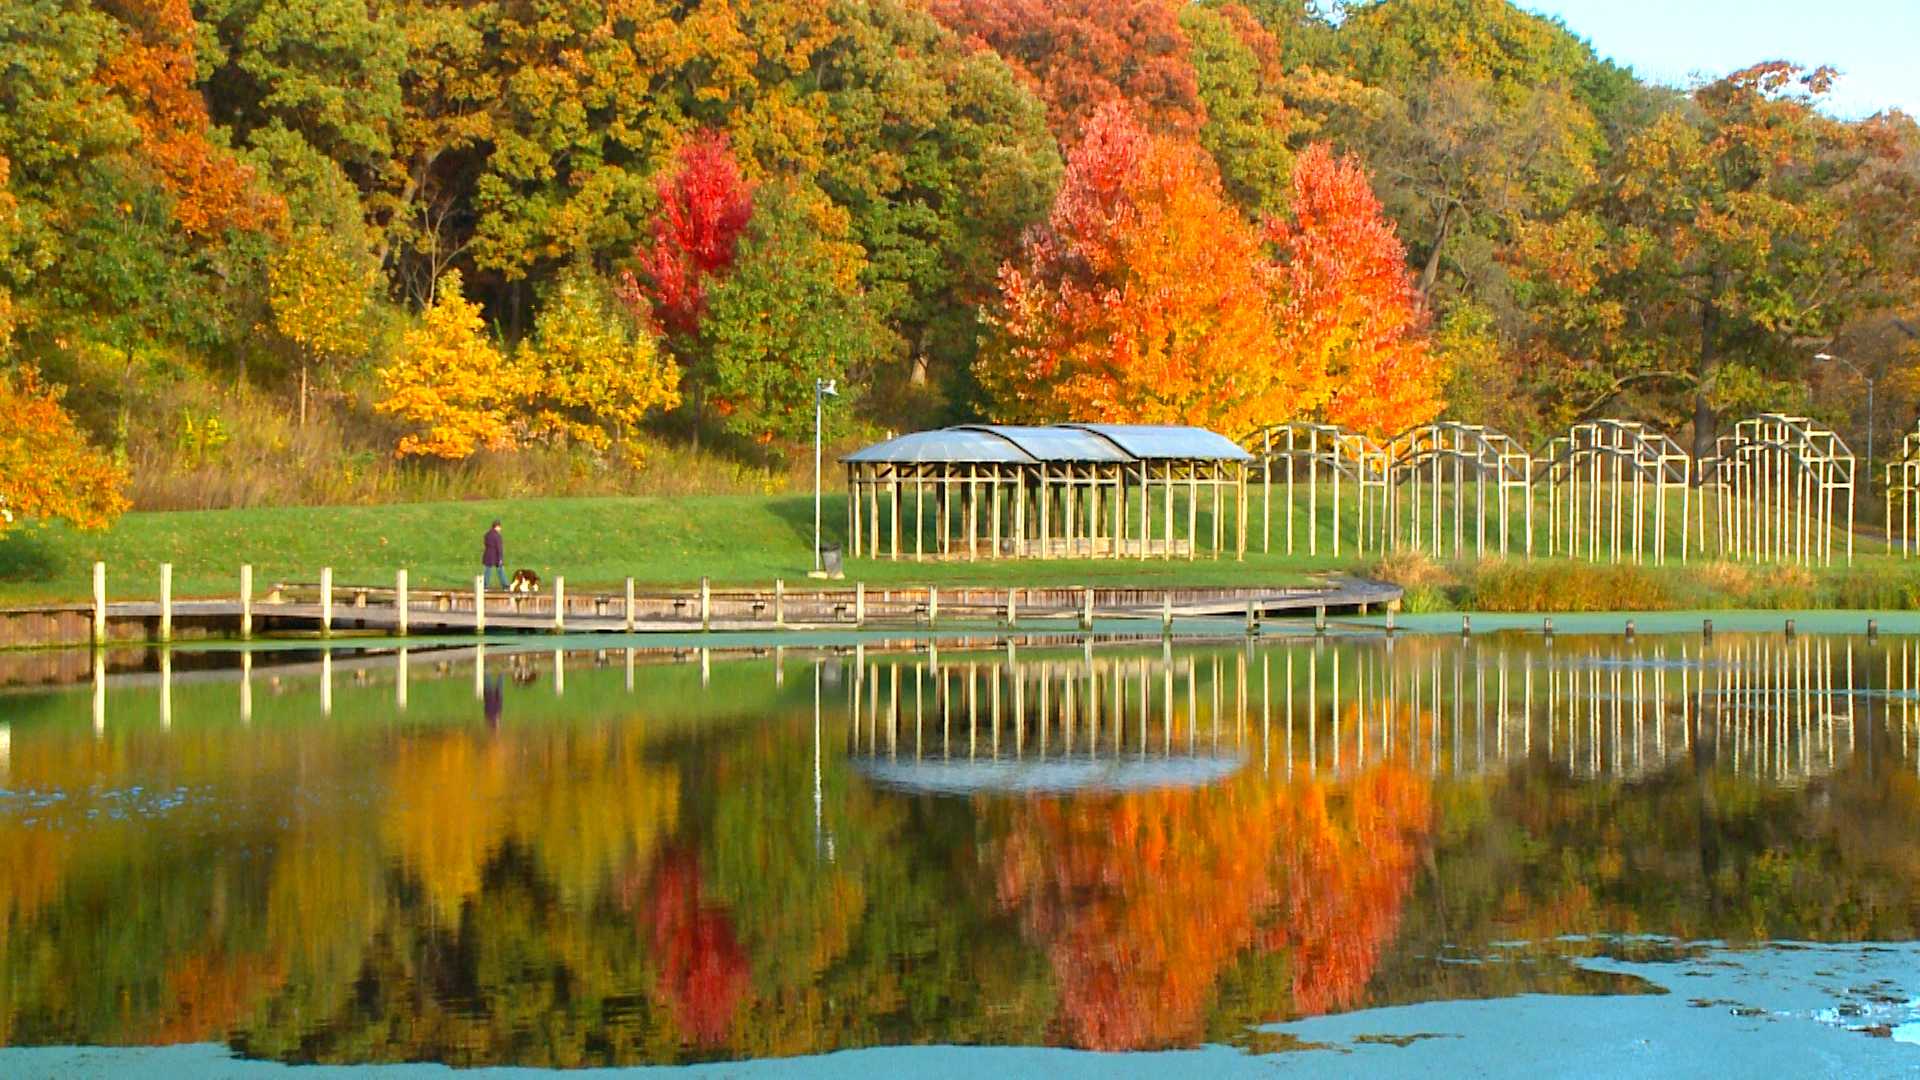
(195, 446)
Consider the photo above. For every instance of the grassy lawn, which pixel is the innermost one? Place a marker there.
(594, 542)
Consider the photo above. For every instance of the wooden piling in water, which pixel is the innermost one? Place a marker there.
(627, 612)
(706, 604)
(933, 605)
(859, 603)
(779, 602)
(326, 601)
(246, 602)
(166, 602)
(559, 604)
(480, 605)
(401, 603)
(99, 604)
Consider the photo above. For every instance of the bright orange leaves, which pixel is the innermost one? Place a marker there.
(156, 74)
(1142, 900)
(1147, 298)
(1348, 313)
(1140, 299)
(47, 468)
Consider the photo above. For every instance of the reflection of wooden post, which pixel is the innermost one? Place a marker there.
(400, 602)
(166, 602)
(99, 604)
(246, 602)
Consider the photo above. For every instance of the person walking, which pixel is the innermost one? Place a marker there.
(493, 556)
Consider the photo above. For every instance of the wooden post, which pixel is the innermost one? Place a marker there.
(1086, 608)
(627, 612)
(326, 601)
(246, 602)
(166, 602)
(706, 604)
(559, 606)
(1253, 619)
(480, 605)
(1012, 612)
(400, 602)
(859, 603)
(933, 604)
(1166, 612)
(779, 602)
(99, 604)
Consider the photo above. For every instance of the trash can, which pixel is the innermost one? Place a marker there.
(830, 560)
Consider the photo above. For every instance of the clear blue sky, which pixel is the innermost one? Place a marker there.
(1874, 43)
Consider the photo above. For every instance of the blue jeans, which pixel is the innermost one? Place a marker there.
(488, 575)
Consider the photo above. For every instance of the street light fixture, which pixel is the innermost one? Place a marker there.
(822, 388)
(1830, 358)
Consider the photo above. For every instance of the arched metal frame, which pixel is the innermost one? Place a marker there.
(1321, 450)
(1777, 482)
(1903, 482)
(1608, 483)
(1432, 463)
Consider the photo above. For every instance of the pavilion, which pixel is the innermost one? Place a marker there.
(1058, 491)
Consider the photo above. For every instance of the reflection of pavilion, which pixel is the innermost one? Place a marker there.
(1778, 711)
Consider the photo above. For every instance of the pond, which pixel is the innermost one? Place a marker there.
(1404, 852)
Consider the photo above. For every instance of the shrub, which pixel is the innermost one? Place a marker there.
(1565, 587)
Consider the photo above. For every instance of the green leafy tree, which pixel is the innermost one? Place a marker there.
(318, 291)
(593, 371)
(791, 312)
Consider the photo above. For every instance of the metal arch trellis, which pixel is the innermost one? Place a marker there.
(1324, 450)
(1777, 480)
(1608, 482)
(1903, 482)
(1435, 460)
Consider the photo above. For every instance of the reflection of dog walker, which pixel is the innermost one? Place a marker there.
(524, 581)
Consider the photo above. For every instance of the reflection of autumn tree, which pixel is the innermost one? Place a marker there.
(703, 969)
(587, 802)
(1143, 899)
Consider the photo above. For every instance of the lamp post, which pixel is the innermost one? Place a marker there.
(1829, 358)
(822, 388)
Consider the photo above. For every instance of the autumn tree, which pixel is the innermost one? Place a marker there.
(47, 467)
(1347, 311)
(593, 372)
(1079, 55)
(450, 384)
(1725, 234)
(318, 291)
(1141, 299)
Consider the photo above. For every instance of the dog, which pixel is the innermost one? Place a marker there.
(524, 581)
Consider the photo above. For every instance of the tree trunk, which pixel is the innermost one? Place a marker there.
(303, 393)
(1432, 268)
(1703, 414)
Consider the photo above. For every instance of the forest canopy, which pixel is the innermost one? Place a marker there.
(227, 228)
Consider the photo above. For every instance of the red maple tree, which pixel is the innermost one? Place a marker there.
(705, 204)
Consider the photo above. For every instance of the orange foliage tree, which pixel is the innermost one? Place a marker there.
(155, 73)
(1141, 299)
(1078, 55)
(47, 467)
(451, 383)
(1347, 311)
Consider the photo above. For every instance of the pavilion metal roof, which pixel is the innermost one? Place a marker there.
(1029, 445)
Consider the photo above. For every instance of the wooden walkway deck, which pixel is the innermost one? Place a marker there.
(301, 609)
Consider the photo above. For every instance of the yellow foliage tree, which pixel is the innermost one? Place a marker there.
(318, 292)
(451, 383)
(593, 373)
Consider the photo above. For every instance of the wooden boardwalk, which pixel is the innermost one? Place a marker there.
(313, 609)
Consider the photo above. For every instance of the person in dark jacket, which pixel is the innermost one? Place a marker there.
(493, 556)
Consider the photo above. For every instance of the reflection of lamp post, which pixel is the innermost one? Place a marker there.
(1868, 376)
(822, 842)
(821, 389)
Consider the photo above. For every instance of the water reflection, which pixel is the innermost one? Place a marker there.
(493, 855)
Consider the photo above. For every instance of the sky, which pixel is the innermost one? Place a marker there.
(1875, 44)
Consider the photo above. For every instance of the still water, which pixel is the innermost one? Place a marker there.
(612, 856)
